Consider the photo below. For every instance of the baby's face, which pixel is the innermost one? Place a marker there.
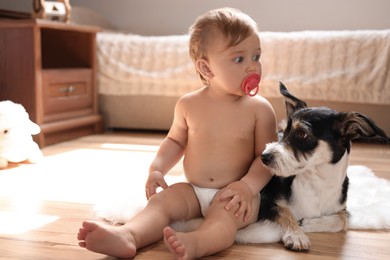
(231, 65)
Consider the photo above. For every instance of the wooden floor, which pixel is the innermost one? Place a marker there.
(50, 231)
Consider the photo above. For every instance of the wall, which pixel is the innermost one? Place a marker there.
(162, 17)
(156, 17)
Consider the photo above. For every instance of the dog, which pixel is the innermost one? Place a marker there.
(308, 189)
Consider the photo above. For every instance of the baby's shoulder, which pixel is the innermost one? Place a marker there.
(191, 96)
(258, 102)
(261, 107)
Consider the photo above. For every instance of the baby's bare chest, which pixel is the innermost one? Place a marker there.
(224, 128)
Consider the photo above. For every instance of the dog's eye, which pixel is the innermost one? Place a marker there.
(5, 131)
(301, 135)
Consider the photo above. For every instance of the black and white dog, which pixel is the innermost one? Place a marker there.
(308, 190)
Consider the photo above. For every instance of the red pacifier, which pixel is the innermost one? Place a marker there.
(250, 85)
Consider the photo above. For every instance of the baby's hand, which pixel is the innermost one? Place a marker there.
(240, 195)
(155, 180)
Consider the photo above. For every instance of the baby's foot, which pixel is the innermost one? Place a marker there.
(180, 244)
(106, 239)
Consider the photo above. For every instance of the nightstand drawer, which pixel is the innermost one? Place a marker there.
(68, 90)
(66, 93)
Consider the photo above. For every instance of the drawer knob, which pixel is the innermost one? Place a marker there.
(69, 89)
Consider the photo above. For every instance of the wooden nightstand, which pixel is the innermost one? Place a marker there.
(49, 68)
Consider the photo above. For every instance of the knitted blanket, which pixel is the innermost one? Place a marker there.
(346, 66)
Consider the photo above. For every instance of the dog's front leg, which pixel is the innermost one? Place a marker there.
(3, 162)
(330, 223)
(294, 238)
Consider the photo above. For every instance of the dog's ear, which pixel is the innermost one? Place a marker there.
(292, 103)
(354, 125)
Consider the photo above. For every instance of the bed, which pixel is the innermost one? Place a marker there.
(140, 78)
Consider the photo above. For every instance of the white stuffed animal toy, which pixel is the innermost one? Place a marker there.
(16, 128)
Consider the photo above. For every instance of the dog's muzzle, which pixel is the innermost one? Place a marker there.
(267, 158)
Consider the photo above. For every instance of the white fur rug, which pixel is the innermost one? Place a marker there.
(368, 199)
(368, 203)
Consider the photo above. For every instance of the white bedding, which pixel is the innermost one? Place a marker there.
(144, 65)
(344, 66)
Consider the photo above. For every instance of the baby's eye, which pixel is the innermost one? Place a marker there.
(256, 57)
(238, 59)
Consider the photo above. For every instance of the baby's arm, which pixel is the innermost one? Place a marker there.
(242, 191)
(167, 156)
(170, 152)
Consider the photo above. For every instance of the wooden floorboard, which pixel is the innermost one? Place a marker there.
(57, 238)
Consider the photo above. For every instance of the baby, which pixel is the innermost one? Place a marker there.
(220, 129)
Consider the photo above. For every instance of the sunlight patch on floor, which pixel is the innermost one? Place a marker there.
(23, 216)
(14, 223)
(80, 175)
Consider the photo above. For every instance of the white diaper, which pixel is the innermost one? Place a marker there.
(205, 197)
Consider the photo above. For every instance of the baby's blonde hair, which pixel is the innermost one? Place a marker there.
(234, 25)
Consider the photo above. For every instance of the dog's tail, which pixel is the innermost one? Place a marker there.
(260, 232)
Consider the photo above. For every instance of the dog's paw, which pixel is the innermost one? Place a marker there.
(309, 224)
(296, 241)
(331, 223)
(3, 163)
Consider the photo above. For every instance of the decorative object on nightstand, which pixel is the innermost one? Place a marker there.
(49, 68)
(52, 10)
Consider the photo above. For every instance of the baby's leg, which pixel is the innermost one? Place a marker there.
(178, 202)
(216, 233)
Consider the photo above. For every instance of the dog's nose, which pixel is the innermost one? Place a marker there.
(267, 158)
